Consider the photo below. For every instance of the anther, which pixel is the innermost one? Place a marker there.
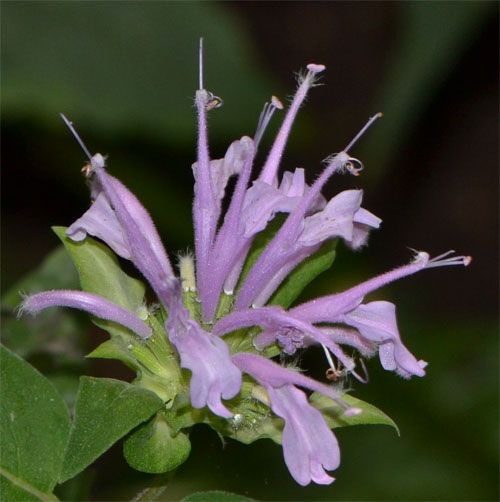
(265, 118)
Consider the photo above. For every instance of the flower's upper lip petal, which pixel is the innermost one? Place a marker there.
(144, 243)
(100, 221)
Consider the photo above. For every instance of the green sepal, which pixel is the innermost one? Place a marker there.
(154, 448)
(334, 413)
(252, 420)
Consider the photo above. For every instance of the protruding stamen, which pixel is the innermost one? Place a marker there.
(77, 137)
(366, 377)
(438, 261)
(360, 133)
(349, 163)
(328, 357)
(187, 272)
(200, 64)
(265, 118)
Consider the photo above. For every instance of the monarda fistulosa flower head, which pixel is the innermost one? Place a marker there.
(208, 347)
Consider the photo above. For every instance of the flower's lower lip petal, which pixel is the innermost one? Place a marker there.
(376, 321)
(309, 446)
(214, 375)
(100, 221)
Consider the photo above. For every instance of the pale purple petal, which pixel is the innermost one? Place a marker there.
(93, 304)
(347, 336)
(100, 221)
(309, 446)
(335, 220)
(229, 242)
(376, 321)
(205, 205)
(270, 374)
(214, 376)
(261, 203)
(281, 323)
(232, 163)
(267, 291)
(282, 246)
(364, 221)
(144, 244)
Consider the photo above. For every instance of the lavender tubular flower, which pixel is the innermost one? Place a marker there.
(279, 321)
(228, 244)
(93, 304)
(375, 321)
(331, 308)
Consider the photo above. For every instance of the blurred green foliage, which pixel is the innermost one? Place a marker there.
(124, 72)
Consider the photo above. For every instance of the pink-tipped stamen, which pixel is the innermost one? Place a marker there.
(265, 117)
(438, 261)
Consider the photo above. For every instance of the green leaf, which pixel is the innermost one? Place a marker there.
(154, 448)
(60, 76)
(100, 273)
(215, 496)
(334, 414)
(303, 274)
(34, 427)
(105, 411)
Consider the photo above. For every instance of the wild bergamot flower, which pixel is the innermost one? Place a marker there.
(223, 318)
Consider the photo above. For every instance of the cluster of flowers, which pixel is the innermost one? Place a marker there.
(222, 246)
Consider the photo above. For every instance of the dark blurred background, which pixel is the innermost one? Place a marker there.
(125, 73)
